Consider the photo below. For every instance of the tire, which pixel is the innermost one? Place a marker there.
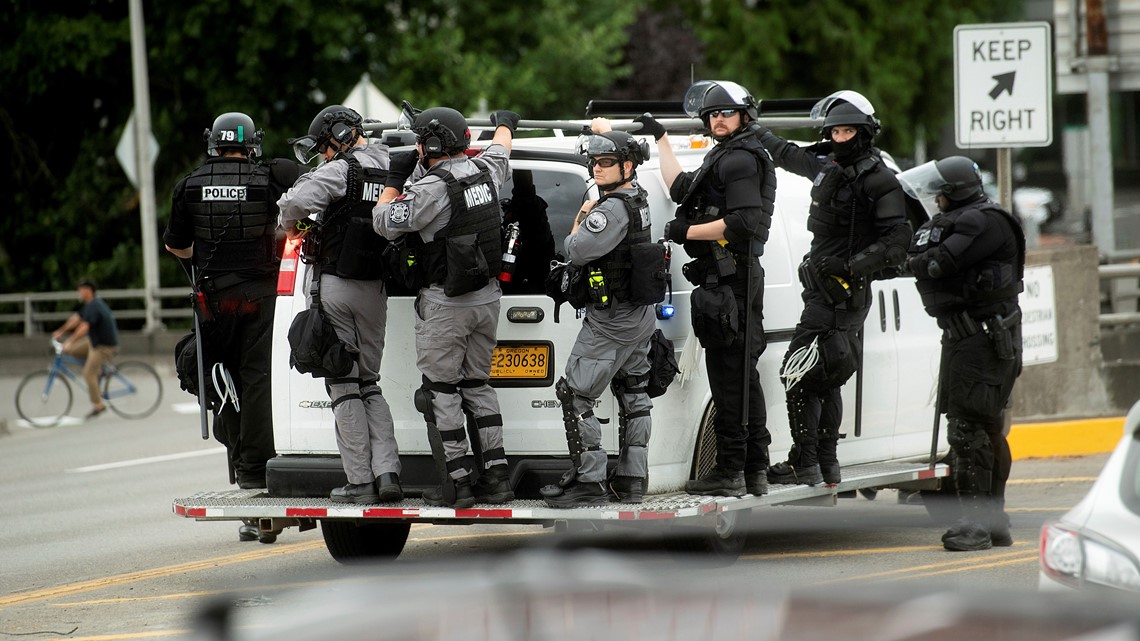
(704, 455)
(717, 546)
(350, 542)
(38, 408)
(133, 390)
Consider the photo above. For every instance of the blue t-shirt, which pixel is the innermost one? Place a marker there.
(101, 323)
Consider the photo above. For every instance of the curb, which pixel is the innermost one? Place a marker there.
(1065, 438)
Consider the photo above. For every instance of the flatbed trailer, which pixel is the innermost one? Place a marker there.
(355, 532)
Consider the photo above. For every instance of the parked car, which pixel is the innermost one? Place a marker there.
(1096, 545)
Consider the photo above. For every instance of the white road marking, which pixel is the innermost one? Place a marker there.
(148, 460)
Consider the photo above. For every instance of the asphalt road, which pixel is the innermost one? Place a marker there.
(89, 547)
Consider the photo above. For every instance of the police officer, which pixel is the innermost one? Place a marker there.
(859, 231)
(448, 223)
(331, 207)
(968, 262)
(724, 212)
(224, 217)
(613, 344)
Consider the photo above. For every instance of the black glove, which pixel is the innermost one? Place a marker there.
(830, 266)
(649, 125)
(677, 230)
(401, 164)
(505, 118)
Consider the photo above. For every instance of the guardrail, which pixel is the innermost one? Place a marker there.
(1123, 292)
(33, 319)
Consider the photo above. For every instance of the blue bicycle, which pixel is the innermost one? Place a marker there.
(132, 389)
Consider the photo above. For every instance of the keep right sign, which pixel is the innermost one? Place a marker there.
(1003, 85)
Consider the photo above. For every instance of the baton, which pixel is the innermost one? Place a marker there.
(198, 351)
(937, 413)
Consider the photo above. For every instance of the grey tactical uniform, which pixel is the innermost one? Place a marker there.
(455, 335)
(612, 344)
(358, 309)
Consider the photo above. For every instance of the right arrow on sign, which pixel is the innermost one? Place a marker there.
(1004, 83)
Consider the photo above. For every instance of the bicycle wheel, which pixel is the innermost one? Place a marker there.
(132, 389)
(43, 398)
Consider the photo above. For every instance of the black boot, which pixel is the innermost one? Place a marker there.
(359, 493)
(830, 472)
(789, 474)
(494, 486)
(718, 482)
(248, 530)
(389, 488)
(464, 498)
(969, 534)
(627, 489)
(579, 494)
(756, 482)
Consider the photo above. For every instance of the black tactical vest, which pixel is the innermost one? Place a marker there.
(349, 245)
(474, 210)
(617, 265)
(234, 222)
(983, 286)
(706, 200)
(839, 208)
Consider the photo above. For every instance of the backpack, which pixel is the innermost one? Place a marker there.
(315, 348)
(566, 283)
(186, 366)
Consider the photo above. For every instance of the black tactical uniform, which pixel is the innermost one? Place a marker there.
(736, 183)
(226, 211)
(859, 229)
(969, 262)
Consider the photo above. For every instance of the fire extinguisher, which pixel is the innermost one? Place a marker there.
(511, 247)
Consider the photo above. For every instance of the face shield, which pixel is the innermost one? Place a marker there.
(593, 145)
(819, 111)
(923, 183)
(408, 115)
(305, 149)
(695, 97)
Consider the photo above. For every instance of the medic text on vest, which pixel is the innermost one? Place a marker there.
(223, 192)
(477, 195)
(371, 192)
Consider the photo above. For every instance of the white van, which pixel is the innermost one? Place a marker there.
(888, 407)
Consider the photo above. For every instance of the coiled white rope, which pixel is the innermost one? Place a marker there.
(799, 364)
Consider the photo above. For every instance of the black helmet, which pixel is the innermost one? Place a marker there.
(962, 179)
(442, 131)
(614, 143)
(233, 130)
(846, 108)
(711, 95)
(334, 122)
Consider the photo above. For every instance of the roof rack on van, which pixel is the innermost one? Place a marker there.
(776, 113)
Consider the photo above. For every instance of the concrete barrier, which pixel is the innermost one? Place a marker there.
(1074, 385)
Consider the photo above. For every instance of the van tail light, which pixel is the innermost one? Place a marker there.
(290, 262)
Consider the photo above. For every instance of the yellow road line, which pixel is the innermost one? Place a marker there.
(1052, 481)
(963, 564)
(979, 566)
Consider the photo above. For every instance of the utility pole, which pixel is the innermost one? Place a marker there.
(1098, 65)
(147, 210)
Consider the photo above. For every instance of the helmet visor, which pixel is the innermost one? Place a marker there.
(407, 115)
(923, 183)
(695, 97)
(592, 145)
(819, 111)
(305, 149)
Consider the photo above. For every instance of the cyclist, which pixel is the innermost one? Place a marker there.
(94, 335)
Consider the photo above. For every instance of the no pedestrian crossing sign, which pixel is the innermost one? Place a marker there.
(1003, 85)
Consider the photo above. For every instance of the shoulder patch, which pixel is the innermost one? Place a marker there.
(596, 221)
(398, 213)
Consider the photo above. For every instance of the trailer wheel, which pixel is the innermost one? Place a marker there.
(349, 542)
(719, 546)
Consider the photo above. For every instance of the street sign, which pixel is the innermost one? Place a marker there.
(1003, 85)
(127, 154)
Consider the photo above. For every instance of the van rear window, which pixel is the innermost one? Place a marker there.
(544, 202)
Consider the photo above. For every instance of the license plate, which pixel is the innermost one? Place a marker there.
(521, 362)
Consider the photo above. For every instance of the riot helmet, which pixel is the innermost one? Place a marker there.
(333, 123)
(614, 143)
(442, 131)
(957, 178)
(846, 107)
(707, 96)
(233, 130)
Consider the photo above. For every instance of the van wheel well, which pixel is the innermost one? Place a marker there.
(704, 452)
(349, 541)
